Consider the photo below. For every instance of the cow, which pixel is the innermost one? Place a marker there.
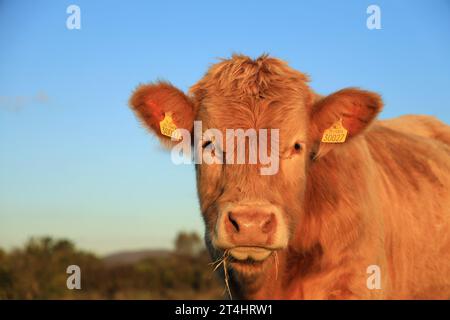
(365, 218)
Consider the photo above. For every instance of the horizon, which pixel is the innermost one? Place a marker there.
(75, 163)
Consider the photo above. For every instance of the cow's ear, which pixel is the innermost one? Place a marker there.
(160, 101)
(351, 108)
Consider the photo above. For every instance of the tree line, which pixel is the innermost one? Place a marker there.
(38, 271)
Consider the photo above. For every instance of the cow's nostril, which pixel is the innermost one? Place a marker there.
(268, 224)
(233, 222)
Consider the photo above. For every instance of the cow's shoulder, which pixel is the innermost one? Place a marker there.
(412, 151)
(419, 125)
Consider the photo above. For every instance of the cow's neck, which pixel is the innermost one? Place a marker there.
(329, 182)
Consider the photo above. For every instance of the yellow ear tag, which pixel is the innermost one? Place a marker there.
(335, 134)
(168, 127)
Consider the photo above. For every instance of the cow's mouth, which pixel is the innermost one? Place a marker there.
(249, 261)
(256, 254)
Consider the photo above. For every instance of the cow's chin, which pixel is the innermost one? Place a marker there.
(249, 260)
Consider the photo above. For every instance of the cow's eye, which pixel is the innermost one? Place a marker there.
(206, 143)
(297, 146)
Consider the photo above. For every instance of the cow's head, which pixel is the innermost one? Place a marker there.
(247, 214)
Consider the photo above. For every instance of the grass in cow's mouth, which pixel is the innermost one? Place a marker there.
(226, 259)
(223, 261)
(275, 257)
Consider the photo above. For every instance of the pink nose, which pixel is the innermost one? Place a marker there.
(250, 228)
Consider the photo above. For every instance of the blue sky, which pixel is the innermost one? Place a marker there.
(75, 163)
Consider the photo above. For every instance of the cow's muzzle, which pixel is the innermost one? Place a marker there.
(250, 232)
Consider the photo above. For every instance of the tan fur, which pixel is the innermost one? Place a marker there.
(381, 198)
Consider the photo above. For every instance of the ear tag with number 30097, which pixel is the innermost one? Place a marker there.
(167, 127)
(335, 134)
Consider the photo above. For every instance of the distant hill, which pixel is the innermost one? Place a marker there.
(131, 257)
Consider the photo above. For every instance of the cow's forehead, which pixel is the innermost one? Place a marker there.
(288, 117)
(245, 93)
(250, 113)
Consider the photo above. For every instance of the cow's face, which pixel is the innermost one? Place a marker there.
(250, 213)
